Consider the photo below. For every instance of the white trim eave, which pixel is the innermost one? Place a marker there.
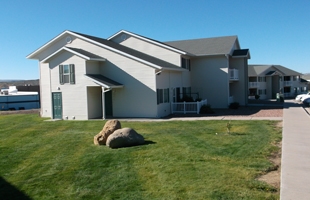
(103, 85)
(117, 51)
(73, 52)
(30, 56)
(94, 42)
(148, 40)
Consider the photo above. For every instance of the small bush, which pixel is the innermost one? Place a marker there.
(257, 96)
(234, 105)
(206, 109)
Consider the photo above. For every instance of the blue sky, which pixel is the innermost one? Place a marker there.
(275, 31)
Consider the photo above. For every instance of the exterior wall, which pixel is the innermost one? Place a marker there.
(74, 96)
(168, 80)
(209, 77)
(136, 99)
(138, 96)
(92, 67)
(149, 48)
(45, 91)
(56, 45)
(94, 103)
(239, 89)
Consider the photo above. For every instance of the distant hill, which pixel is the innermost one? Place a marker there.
(7, 83)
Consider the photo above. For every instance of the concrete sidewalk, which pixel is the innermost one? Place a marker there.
(295, 165)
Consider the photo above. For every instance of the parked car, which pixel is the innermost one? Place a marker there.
(306, 100)
(301, 97)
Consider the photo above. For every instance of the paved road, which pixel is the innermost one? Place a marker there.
(295, 165)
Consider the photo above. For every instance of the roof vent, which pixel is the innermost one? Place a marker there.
(68, 40)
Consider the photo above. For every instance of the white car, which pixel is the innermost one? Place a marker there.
(301, 97)
(306, 99)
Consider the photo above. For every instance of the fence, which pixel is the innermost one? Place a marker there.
(187, 107)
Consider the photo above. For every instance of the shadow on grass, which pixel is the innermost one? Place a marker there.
(9, 192)
(147, 142)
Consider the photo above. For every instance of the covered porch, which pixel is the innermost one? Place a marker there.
(100, 98)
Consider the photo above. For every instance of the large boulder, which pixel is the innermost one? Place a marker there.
(109, 127)
(124, 137)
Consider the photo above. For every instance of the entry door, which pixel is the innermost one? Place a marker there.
(108, 103)
(57, 105)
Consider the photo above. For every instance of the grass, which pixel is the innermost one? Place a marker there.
(182, 160)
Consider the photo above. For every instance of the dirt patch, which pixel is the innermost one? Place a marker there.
(273, 174)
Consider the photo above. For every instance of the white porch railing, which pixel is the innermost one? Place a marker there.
(233, 74)
(287, 83)
(253, 84)
(187, 107)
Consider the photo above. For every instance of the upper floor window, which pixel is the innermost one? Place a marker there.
(287, 78)
(262, 79)
(186, 63)
(295, 78)
(66, 74)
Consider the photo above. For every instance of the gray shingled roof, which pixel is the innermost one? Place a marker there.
(256, 70)
(85, 53)
(206, 46)
(104, 80)
(132, 52)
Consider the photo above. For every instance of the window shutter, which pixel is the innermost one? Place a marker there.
(61, 75)
(72, 74)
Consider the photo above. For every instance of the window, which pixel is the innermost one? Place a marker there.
(287, 89)
(186, 63)
(295, 78)
(166, 95)
(287, 78)
(162, 96)
(261, 79)
(66, 74)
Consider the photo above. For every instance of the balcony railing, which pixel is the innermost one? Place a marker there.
(287, 83)
(187, 107)
(233, 74)
(253, 84)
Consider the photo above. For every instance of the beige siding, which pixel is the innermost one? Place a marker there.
(150, 49)
(239, 89)
(168, 80)
(74, 96)
(94, 103)
(209, 77)
(138, 96)
(45, 93)
(93, 67)
(56, 45)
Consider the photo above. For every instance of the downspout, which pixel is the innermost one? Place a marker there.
(52, 110)
(228, 86)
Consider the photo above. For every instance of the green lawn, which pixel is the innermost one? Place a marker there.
(182, 160)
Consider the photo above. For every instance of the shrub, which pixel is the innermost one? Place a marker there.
(234, 105)
(206, 109)
(257, 96)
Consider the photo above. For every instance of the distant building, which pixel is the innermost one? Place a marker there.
(12, 99)
(268, 80)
